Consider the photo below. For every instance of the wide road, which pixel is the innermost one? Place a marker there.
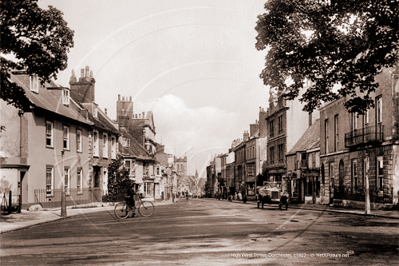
(207, 232)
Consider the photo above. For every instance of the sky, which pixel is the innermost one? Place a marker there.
(193, 63)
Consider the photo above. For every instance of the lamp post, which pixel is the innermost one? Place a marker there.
(63, 196)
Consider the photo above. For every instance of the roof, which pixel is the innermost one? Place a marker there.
(102, 123)
(135, 149)
(309, 140)
(46, 99)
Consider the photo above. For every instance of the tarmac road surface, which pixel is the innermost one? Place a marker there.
(207, 232)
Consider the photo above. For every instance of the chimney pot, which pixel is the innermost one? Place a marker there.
(119, 97)
(91, 73)
(123, 98)
(105, 110)
(143, 115)
(82, 73)
(130, 98)
(87, 71)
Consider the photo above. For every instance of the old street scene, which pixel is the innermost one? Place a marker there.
(199, 132)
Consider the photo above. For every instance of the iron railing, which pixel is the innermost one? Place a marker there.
(52, 198)
(366, 135)
(359, 195)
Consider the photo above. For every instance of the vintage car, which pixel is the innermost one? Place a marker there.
(272, 195)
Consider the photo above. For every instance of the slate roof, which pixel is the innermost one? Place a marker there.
(309, 140)
(45, 99)
(101, 123)
(135, 149)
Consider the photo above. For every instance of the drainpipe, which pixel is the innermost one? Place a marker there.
(20, 114)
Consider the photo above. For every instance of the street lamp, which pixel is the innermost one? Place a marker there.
(63, 196)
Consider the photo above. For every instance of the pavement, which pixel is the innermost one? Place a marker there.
(26, 219)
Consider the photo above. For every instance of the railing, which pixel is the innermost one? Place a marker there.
(73, 197)
(346, 194)
(364, 136)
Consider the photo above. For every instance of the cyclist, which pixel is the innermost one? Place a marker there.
(131, 192)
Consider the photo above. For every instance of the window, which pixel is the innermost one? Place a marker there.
(272, 128)
(354, 175)
(67, 183)
(95, 144)
(79, 140)
(105, 145)
(326, 135)
(280, 124)
(127, 165)
(250, 169)
(158, 170)
(380, 175)
(367, 117)
(271, 155)
(49, 134)
(132, 168)
(79, 180)
(113, 148)
(49, 180)
(336, 134)
(66, 137)
(354, 121)
(379, 109)
(65, 96)
(95, 112)
(34, 84)
(280, 153)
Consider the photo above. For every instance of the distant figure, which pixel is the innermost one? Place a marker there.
(187, 195)
(239, 196)
(235, 196)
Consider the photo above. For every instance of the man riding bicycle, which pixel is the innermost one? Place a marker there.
(130, 197)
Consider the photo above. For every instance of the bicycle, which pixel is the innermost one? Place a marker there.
(145, 208)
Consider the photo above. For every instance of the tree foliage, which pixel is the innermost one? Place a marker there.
(118, 180)
(38, 39)
(328, 42)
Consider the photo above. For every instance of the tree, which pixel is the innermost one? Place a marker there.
(118, 180)
(328, 42)
(38, 39)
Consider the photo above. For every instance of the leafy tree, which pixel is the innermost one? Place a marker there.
(38, 39)
(118, 180)
(328, 42)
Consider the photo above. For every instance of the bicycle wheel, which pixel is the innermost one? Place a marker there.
(121, 211)
(146, 208)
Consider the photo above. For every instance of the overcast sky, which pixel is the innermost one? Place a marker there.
(193, 63)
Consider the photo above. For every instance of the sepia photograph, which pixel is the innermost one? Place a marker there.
(199, 132)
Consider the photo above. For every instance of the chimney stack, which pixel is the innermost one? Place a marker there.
(87, 75)
(73, 77)
(245, 135)
(84, 88)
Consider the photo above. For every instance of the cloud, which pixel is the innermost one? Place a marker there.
(183, 127)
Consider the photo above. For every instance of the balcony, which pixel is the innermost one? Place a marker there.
(366, 135)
